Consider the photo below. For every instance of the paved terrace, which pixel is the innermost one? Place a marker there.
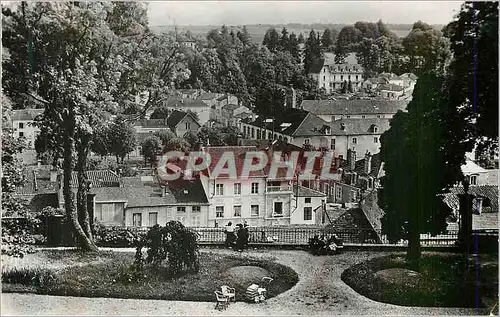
(320, 291)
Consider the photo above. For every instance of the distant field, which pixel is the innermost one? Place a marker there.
(257, 31)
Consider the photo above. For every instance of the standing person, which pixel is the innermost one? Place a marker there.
(230, 237)
(247, 233)
(240, 241)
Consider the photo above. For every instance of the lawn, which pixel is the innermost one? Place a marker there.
(104, 277)
(439, 283)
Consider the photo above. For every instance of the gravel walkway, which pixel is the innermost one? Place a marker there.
(320, 291)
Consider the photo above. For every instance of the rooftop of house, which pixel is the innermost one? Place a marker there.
(151, 123)
(315, 126)
(147, 192)
(25, 114)
(177, 102)
(492, 177)
(239, 152)
(41, 177)
(329, 60)
(390, 87)
(411, 76)
(230, 107)
(378, 80)
(489, 193)
(286, 124)
(301, 191)
(353, 107)
(175, 117)
(208, 96)
(243, 115)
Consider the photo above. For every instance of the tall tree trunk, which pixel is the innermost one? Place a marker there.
(71, 213)
(414, 251)
(82, 147)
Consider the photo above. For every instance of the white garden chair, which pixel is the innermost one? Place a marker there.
(222, 301)
(229, 292)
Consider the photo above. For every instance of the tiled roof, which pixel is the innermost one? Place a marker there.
(208, 96)
(230, 107)
(149, 194)
(390, 87)
(98, 178)
(151, 123)
(25, 114)
(239, 152)
(377, 80)
(486, 191)
(302, 191)
(409, 75)
(315, 126)
(104, 194)
(355, 106)
(43, 183)
(287, 124)
(174, 118)
(243, 115)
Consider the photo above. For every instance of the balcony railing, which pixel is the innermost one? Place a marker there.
(279, 189)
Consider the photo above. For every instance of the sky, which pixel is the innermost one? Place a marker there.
(281, 12)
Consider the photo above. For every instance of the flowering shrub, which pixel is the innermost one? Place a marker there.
(174, 243)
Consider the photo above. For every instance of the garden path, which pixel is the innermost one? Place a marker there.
(320, 291)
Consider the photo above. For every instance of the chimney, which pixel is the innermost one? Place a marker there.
(477, 206)
(351, 159)
(337, 162)
(368, 163)
(294, 98)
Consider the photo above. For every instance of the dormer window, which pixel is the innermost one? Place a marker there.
(342, 126)
(473, 179)
(375, 129)
(328, 130)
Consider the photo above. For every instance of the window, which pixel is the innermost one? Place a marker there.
(354, 140)
(354, 196)
(363, 117)
(237, 188)
(348, 116)
(237, 210)
(375, 140)
(195, 221)
(341, 76)
(181, 219)
(254, 210)
(153, 218)
(258, 134)
(219, 211)
(356, 77)
(196, 209)
(253, 133)
(324, 77)
(332, 144)
(339, 192)
(308, 213)
(21, 134)
(181, 209)
(473, 180)
(349, 77)
(137, 219)
(307, 200)
(378, 116)
(306, 141)
(188, 125)
(219, 189)
(21, 125)
(375, 129)
(255, 188)
(278, 209)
